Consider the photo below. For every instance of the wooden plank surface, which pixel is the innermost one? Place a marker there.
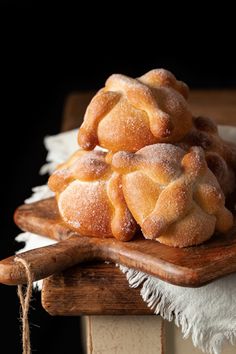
(74, 109)
(190, 266)
(217, 104)
(92, 287)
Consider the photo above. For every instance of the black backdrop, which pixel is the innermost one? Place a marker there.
(42, 60)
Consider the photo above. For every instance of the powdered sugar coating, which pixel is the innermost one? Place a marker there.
(128, 114)
(160, 161)
(172, 194)
(78, 205)
(90, 197)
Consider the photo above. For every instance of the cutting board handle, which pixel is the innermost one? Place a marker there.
(45, 261)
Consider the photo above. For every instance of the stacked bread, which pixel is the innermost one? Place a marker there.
(160, 169)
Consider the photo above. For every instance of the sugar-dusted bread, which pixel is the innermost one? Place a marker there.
(128, 114)
(90, 197)
(220, 155)
(173, 195)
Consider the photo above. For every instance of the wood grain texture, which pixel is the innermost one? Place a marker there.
(217, 104)
(74, 109)
(89, 289)
(193, 266)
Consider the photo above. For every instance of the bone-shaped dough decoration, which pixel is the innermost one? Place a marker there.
(172, 194)
(128, 114)
(90, 198)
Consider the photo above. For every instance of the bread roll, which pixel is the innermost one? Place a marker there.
(128, 114)
(173, 195)
(90, 197)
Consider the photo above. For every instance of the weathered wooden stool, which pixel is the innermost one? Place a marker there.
(99, 292)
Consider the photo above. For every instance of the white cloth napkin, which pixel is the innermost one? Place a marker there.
(208, 313)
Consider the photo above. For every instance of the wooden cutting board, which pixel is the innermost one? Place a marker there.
(192, 267)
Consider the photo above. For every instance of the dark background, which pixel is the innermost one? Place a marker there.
(46, 54)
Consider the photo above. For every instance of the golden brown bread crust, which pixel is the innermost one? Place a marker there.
(90, 197)
(172, 194)
(163, 179)
(128, 114)
(220, 155)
